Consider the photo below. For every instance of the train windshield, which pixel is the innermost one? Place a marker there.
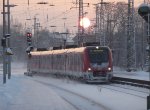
(98, 55)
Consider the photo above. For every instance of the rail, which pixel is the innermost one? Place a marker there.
(133, 82)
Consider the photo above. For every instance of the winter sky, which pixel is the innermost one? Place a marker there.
(49, 16)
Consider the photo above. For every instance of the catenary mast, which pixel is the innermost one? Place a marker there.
(100, 23)
(131, 52)
(80, 28)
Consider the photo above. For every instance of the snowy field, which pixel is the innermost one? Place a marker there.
(49, 93)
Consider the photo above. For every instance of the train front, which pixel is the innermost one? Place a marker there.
(99, 66)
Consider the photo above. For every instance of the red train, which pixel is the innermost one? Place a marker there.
(91, 63)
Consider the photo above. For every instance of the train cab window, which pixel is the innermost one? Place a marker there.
(98, 55)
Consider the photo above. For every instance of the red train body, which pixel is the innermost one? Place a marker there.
(92, 63)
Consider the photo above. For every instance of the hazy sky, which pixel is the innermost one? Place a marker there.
(49, 16)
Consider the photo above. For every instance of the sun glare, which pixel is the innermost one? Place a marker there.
(85, 22)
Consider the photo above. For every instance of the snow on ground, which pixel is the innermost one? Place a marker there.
(25, 93)
(21, 93)
(111, 99)
(142, 75)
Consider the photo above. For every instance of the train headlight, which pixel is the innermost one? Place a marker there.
(97, 47)
(89, 69)
(109, 69)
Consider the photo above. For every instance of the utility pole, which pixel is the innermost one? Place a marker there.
(4, 45)
(6, 42)
(8, 38)
(131, 51)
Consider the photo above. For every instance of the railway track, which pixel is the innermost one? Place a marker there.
(127, 89)
(132, 82)
(69, 95)
(76, 99)
(122, 80)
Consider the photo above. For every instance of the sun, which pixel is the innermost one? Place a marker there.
(85, 22)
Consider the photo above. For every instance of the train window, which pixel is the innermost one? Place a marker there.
(98, 55)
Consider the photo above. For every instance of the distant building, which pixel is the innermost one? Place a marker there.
(55, 39)
(86, 38)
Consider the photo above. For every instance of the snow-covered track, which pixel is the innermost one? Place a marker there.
(71, 97)
(127, 89)
(133, 82)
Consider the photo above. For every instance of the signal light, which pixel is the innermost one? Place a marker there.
(29, 38)
(29, 34)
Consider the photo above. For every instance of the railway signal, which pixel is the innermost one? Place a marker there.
(29, 49)
(144, 12)
(29, 38)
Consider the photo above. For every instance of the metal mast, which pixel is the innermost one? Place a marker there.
(98, 29)
(100, 23)
(131, 52)
(4, 46)
(80, 28)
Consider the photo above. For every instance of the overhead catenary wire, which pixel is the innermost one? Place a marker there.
(32, 10)
(24, 12)
(32, 5)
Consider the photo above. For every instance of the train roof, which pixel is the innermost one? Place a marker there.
(62, 51)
